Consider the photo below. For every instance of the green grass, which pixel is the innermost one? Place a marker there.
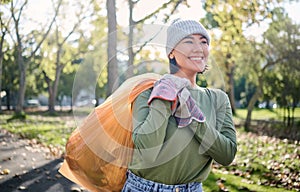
(49, 130)
(266, 114)
(262, 163)
(235, 184)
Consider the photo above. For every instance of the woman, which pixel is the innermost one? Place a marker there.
(179, 128)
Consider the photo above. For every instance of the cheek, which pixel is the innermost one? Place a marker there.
(179, 54)
(206, 51)
(182, 49)
(179, 61)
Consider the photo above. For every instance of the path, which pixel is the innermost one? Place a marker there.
(28, 166)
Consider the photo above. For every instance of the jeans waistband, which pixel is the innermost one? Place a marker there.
(148, 185)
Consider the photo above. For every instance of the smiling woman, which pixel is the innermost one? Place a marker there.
(187, 48)
(179, 128)
(191, 53)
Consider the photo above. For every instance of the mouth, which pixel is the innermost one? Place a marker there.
(196, 58)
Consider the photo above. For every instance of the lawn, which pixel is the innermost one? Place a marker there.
(262, 163)
(266, 114)
(52, 131)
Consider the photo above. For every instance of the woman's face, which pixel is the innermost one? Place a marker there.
(191, 54)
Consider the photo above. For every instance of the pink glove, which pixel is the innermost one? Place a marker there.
(166, 90)
(184, 108)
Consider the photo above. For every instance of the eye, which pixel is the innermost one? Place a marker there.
(204, 42)
(189, 42)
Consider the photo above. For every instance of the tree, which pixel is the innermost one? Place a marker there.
(282, 83)
(19, 40)
(91, 74)
(4, 29)
(231, 18)
(112, 38)
(97, 57)
(279, 47)
(112, 68)
(172, 5)
(9, 77)
(59, 53)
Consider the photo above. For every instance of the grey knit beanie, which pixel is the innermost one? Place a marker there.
(182, 28)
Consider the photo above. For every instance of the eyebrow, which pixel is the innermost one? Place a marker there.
(191, 37)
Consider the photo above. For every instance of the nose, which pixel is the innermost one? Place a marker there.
(198, 48)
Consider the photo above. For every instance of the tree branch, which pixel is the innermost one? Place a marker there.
(146, 42)
(48, 30)
(271, 63)
(148, 16)
(173, 10)
(159, 9)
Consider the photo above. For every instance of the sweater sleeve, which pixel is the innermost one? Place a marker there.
(217, 137)
(149, 125)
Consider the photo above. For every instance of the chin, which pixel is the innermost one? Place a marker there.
(201, 70)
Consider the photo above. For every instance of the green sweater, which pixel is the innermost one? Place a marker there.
(167, 154)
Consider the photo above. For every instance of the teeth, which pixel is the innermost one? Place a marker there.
(196, 58)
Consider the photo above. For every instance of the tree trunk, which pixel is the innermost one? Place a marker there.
(249, 111)
(22, 83)
(1, 63)
(50, 92)
(51, 99)
(230, 82)
(54, 87)
(231, 89)
(8, 98)
(4, 30)
(129, 72)
(112, 68)
(251, 105)
(288, 116)
(293, 115)
(21, 63)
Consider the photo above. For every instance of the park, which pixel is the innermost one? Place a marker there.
(54, 71)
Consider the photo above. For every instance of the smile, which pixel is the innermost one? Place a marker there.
(196, 58)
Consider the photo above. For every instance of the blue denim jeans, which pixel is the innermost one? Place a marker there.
(138, 184)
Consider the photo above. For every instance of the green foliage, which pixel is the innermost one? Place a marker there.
(243, 90)
(283, 79)
(230, 18)
(271, 64)
(96, 57)
(5, 1)
(53, 51)
(10, 75)
(201, 81)
(34, 77)
(66, 84)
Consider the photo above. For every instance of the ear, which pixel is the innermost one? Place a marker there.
(171, 56)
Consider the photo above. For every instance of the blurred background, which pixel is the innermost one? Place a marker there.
(59, 59)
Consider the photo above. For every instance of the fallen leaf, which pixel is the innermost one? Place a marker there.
(5, 172)
(75, 189)
(22, 187)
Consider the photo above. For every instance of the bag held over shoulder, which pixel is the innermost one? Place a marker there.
(99, 150)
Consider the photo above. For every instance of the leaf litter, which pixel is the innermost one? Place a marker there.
(265, 160)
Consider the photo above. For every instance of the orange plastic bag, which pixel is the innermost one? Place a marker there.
(98, 151)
